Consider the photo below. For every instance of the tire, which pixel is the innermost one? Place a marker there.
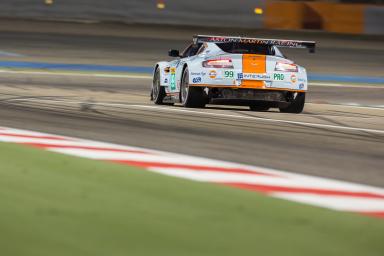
(296, 106)
(157, 91)
(260, 107)
(190, 96)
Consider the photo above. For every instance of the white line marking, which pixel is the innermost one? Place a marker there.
(54, 73)
(10, 54)
(297, 181)
(324, 84)
(173, 109)
(341, 203)
(56, 142)
(122, 156)
(263, 119)
(349, 105)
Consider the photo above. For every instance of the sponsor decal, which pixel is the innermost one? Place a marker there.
(229, 74)
(173, 79)
(256, 77)
(196, 80)
(287, 43)
(302, 80)
(293, 78)
(198, 73)
(301, 86)
(251, 76)
(212, 74)
(279, 77)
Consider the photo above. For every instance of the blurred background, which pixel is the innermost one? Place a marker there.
(346, 31)
(340, 16)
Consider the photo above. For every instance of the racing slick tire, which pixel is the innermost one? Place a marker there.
(260, 107)
(191, 96)
(157, 91)
(296, 106)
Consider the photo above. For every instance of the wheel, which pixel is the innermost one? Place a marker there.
(157, 91)
(190, 96)
(297, 104)
(259, 107)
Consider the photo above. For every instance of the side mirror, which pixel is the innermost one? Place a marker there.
(174, 53)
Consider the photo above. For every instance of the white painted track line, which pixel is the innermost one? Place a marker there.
(367, 86)
(340, 203)
(315, 125)
(207, 113)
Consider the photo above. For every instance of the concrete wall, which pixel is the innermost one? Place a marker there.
(238, 13)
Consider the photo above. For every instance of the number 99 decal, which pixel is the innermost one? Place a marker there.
(229, 74)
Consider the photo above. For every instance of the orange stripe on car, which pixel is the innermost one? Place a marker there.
(253, 63)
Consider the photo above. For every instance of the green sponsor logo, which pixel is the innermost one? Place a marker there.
(173, 82)
(279, 77)
(229, 74)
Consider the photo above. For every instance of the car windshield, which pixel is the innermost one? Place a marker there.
(246, 48)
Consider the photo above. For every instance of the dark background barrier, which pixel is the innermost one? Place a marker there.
(360, 17)
(198, 12)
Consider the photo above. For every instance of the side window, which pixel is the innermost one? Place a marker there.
(191, 50)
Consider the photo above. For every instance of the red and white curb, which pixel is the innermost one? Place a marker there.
(327, 193)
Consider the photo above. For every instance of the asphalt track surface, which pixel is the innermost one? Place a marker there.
(329, 139)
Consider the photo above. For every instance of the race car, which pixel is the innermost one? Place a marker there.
(233, 70)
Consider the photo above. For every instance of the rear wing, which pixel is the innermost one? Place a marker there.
(262, 41)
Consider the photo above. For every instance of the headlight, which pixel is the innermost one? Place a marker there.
(218, 63)
(285, 67)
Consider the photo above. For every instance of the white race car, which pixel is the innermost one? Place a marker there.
(233, 70)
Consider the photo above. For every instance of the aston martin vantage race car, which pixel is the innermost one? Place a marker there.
(233, 70)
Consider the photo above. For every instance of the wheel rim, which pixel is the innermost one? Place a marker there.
(156, 86)
(185, 87)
